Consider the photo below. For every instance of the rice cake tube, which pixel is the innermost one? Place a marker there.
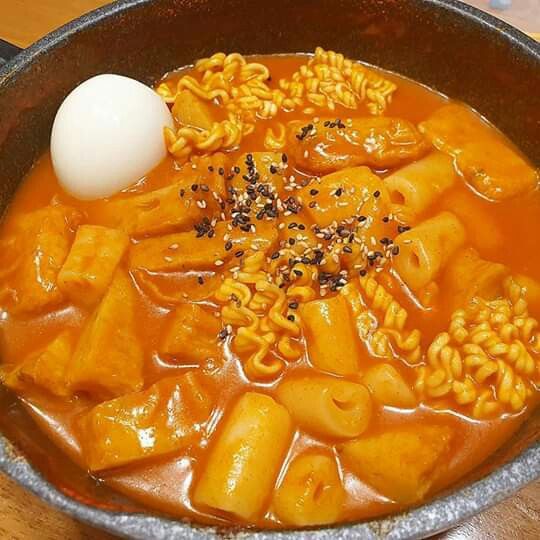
(415, 187)
(245, 460)
(327, 406)
(426, 248)
(311, 492)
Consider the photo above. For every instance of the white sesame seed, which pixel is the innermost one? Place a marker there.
(219, 262)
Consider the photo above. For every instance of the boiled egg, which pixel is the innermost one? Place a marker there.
(107, 134)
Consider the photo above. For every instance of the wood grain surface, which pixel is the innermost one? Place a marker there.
(24, 517)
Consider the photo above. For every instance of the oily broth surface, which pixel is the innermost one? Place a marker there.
(164, 484)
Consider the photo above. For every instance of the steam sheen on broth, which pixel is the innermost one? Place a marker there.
(320, 307)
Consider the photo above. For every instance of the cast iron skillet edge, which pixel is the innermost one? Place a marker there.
(431, 518)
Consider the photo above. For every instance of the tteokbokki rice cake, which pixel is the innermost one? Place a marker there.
(289, 291)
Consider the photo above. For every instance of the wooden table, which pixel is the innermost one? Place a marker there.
(24, 517)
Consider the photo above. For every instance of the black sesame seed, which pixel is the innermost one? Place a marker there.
(297, 272)
(290, 317)
(239, 253)
(275, 255)
(200, 280)
(312, 204)
(347, 249)
(223, 334)
(376, 193)
(284, 158)
(293, 305)
(403, 228)
(363, 272)
(386, 219)
(194, 187)
(395, 250)
(182, 192)
(362, 218)
(313, 192)
(228, 245)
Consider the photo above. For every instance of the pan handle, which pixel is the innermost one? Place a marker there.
(7, 51)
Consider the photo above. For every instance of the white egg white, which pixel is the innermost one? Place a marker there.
(107, 134)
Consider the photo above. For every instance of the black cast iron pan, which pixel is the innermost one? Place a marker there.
(445, 44)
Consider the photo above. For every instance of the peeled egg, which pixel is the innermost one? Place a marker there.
(107, 134)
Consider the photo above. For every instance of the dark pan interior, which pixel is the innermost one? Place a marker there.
(442, 43)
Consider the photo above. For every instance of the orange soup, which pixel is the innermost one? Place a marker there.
(321, 306)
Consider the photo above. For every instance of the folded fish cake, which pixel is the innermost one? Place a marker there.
(483, 158)
(345, 193)
(163, 419)
(196, 251)
(196, 194)
(401, 464)
(192, 334)
(108, 360)
(377, 141)
(91, 262)
(191, 111)
(33, 255)
(45, 369)
(262, 168)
